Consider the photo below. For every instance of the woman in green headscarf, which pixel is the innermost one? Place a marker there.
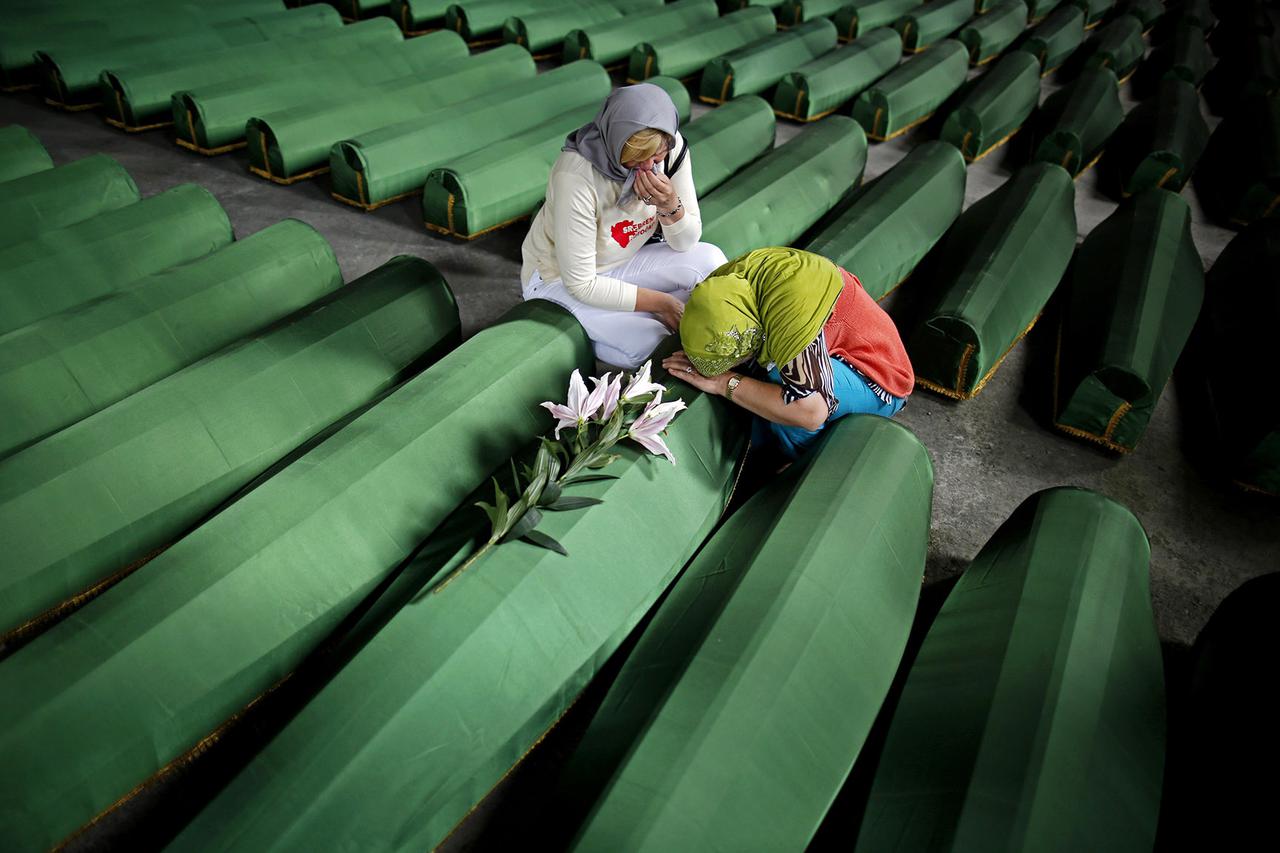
(819, 346)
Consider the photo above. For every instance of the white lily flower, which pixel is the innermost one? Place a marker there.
(580, 407)
(647, 429)
(640, 385)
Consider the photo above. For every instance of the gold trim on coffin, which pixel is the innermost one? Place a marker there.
(451, 229)
(964, 367)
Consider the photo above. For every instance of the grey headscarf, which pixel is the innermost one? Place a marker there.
(627, 110)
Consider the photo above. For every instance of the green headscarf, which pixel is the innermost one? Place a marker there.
(769, 304)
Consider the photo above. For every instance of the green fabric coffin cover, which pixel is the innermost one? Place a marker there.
(910, 93)
(415, 16)
(687, 52)
(69, 365)
(356, 9)
(542, 32)
(144, 674)
(140, 95)
(293, 143)
(1195, 12)
(1148, 12)
(62, 196)
(760, 65)
(1239, 178)
(1185, 56)
(126, 23)
(1118, 46)
(212, 118)
(1135, 291)
(925, 25)
(818, 88)
(724, 141)
(999, 265)
(392, 162)
(1242, 302)
(988, 35)
(506, 181)
(90, 503)
(856, 18)
(1079, 119)
(996, 107)
(610, 42)
(480, 21)
(734, 722)
(786, 191)
(1228, 722)
(21, 154)
(1095, 10)
(70, 75)
(505, 648)
(1161, 140)
(1033, 717)
(1055, 38)
(893, 222)
(64, 267)
(1038, 10)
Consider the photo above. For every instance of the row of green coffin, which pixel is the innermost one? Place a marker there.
(69, 73)
(21, 154)
(24, 32)
(61, 196)
(142, 94)
(1239, 174)
(256, 587)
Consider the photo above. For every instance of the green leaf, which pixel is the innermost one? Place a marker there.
(542, 540)
(532, 517)
(494, 519)
(600, 463)
(550, 494)
(564, 504)
(588, 478)
(542, 461)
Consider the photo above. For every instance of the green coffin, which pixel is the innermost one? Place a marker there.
(734, 722)
(64, 267)
(1038, 10)
(542, 32)
(69, 365)
(1118, 46)
(122, 485)
(688, 52)
(1198, 13)
(480, 21)
(819, 88)
(393, 162)
(139, 96)
(797, 183)
(21, 154)
(996, 107)
(1161, 140)
(293, 143)
(610, 42)
(998, 266)
(1078, 121)
(1148, 12)
(909, 94)
(893, 222)
(926, 25)
(501, 183)
(1237, 356)
(504, 648)
(1133, 296)
(855, 19)
(70, 75)
(758, 67)
(1094, 10)
(144, 674)
(988, 35)
(1033, 717)
(62, 196)
(211, 119)
(724, 141)
(1185, 55)
(1055, 38)
(418, 16)
(1239, 176)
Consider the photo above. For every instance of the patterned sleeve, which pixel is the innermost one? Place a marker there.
(810, 373)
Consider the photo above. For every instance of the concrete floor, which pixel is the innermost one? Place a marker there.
(989, 453)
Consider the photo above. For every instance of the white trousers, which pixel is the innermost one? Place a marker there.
(626, 338)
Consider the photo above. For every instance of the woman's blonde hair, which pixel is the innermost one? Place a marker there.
(642, 145)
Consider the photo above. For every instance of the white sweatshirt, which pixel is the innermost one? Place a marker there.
(581, 231)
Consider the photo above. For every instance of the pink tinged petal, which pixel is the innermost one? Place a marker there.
(564, 416)
(641, 385)
(655, 445)
(614, 390)
(599, 389)
(577, 392)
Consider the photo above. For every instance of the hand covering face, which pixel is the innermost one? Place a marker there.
(626, 111)
(768, 304)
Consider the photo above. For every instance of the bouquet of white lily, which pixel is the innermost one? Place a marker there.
(600, 419)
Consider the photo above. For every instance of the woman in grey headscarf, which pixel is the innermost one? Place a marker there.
(620, 180)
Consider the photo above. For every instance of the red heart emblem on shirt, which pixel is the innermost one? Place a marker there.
(622, 231)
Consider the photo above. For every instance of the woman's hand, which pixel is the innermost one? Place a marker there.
(664, 306)
(679, 366)
(656, 188)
